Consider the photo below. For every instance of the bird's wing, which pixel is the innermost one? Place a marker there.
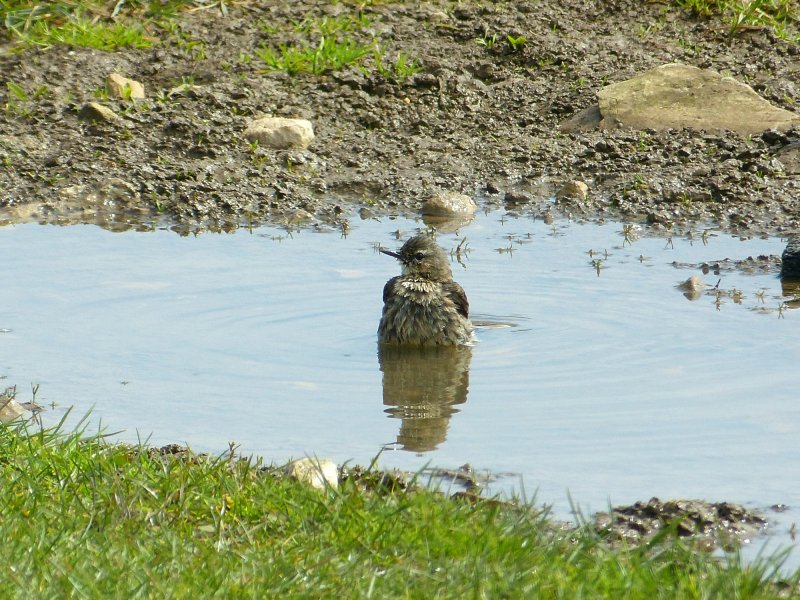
(459, 297)
(387, 289)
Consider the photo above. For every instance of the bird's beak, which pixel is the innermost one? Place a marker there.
(390, 253)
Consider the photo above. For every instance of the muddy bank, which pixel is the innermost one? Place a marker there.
(480, 116)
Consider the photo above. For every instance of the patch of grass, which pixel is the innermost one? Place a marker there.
(517, 43)
(322, 44)
(73, 23)
(17, 100)
(332, 51)
(488, 41)
(310, 25)
(21, 103)
(781, 16)
(102, 24)
(88, 518)
(399, 70)
(329, 54)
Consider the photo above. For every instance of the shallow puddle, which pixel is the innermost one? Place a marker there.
(593, 375)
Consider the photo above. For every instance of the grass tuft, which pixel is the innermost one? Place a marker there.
(85, 517)
(780, 16)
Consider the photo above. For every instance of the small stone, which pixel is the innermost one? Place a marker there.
(573, 189)
(122, 87)
(94, 111)
(10, 409)
(449, 204)
(280, 132)
(318, 473)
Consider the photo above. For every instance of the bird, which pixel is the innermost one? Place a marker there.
(790, 260)
(424, 306)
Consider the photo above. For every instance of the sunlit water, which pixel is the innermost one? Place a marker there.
(611, 388)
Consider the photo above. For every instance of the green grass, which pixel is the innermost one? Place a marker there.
(311, 44)
(77, 23)
(86, 518)
(102, 24)
(329, 54)
(781, 16)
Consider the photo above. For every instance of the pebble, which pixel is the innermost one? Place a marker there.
(319, 473)
(449, 204)
(280, 133)
(122, 87)
(573, 189)
(94, 111)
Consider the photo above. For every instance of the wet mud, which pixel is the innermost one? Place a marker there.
(481, 117)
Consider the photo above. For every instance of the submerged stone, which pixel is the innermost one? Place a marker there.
(693, 287)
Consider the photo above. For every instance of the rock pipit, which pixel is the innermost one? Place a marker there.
(424, 306)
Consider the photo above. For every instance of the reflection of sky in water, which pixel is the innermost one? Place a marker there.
(612, 387)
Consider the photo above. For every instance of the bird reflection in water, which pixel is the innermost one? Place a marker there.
(422, 385)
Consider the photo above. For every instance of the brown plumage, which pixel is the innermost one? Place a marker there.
(424, 306)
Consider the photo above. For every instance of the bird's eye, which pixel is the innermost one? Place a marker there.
(419, 256)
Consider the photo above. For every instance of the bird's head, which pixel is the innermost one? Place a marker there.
(422, 257)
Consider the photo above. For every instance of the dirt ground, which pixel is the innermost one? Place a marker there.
(480, 117)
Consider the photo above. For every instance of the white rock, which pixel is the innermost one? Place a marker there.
(280, 133)
(573, 189)
(10, 409)
(122, 87)
(317, 472)
(449, 204)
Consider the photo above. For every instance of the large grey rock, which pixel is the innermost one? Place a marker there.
(280, 133)
(676, 96)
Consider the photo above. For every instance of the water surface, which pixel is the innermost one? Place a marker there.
(612, 387)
